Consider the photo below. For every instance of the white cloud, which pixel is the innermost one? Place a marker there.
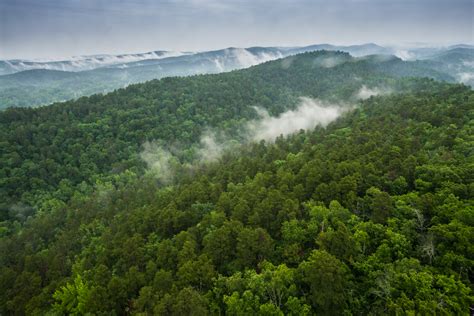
(466, 77)
(309, 114)
(242, 58)
(158, 161)
(247, 59)
(366, 92)
(210, 148)
(329, 62)
(404, 54)
(81, 63)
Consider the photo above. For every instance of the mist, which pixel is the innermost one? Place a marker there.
(158, 160)
(366, 92)
(329, 62)
(466, 77)
(213, 144)
(307, 115)
(162, 162)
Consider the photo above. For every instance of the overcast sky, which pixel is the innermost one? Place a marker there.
(59, 28)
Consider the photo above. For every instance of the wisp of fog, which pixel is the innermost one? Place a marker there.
(307, 115)
(158, 161)
(366, 92)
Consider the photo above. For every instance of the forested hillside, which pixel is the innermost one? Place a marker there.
(47, 152)
(373, 215)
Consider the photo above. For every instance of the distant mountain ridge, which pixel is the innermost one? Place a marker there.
(89, 62)
(81, 63)
(41, 83)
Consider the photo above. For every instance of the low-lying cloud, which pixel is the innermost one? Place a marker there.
(309, 113)
(82, 63)
(404, 54)
(466, 77)
(158, 161)
(212, 145)
(247, 59)
(367, 92)
(329, 62)
(236, 58)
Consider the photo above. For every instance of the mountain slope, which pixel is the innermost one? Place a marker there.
(372, 215)
(78, 142)
(459, 62)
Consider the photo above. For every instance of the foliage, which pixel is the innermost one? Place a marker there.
(371, 215)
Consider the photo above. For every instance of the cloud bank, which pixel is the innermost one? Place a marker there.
(329, 62)
(81, 63)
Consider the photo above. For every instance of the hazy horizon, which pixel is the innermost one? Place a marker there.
(56, 29)
(67, 57)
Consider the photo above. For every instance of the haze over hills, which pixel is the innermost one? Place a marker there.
(81, 63)
(23, 84)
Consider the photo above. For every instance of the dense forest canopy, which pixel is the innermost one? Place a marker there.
(67, 144)
(373, 214)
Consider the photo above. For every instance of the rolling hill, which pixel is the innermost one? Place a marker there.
(366, 212)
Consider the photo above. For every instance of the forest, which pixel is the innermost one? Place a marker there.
(80, 142)
(371, 215)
